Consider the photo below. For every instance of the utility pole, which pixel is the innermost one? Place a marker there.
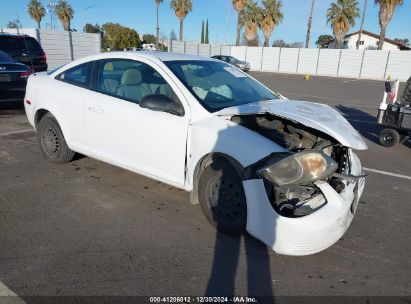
(50, 9)
(362, 25)
(310, 20)
(227, 20)
(157, 29)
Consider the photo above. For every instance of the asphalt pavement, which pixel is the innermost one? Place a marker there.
(88, 228)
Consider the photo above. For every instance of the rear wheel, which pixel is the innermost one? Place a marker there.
(222, 198)
(51, 141)
(389, 137)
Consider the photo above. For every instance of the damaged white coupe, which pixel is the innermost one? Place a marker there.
(285, 171)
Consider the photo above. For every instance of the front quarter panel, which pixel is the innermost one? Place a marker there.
(219, 135)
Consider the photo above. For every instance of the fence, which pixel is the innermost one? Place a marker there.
(62, 47)
(328, 62)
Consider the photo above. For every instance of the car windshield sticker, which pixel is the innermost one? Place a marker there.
(235, 72)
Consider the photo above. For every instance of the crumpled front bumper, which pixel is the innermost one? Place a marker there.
(308, 234)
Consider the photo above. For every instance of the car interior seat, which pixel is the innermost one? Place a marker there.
(130, 85)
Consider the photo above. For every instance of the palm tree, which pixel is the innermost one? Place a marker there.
(65, 13)
(252, 16)
(341, 15)
(270, 17)
(362, 25)
(387, 8)
(181, 9)
(158, 2)
(310, 21)
(239, 6)
(36, 11)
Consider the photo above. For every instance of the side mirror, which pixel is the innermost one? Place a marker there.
(162, 103)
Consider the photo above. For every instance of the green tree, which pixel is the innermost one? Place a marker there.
(323, 41)
(149, 38)
(158, 2)
(181, 9)
(206, 39)
(36, 11)
(387, 8)
(340, 16)
(252, 15)
(173, 35)
(310, 21)
(239, 6)
(119, 37)
(202, 32)
(95, 29)
(65, 13)
(270, 17)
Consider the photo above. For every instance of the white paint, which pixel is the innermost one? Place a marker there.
(367, 41)
(388, 173)
(308, 234)
(168, 148)
(314, 115)
(7, 296)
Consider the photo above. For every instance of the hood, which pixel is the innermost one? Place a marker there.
(314, 115)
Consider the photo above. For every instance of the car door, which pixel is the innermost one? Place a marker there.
(120, 131)
(67, 93)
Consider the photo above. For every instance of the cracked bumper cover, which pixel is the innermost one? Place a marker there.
(308, 234)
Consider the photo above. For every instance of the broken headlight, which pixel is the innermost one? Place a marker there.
(299, 168)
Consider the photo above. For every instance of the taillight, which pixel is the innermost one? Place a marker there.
(26, 74)
(44, 58)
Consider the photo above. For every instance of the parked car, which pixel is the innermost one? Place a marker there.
(24, 49)
(13, 80)
(242, 65)
(285, 171)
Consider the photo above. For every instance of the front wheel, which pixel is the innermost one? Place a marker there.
(222, 198)
(51, 141)
(389, 137)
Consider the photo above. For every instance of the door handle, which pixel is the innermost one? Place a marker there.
(97, 109)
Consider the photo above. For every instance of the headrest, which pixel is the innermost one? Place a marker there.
(131, 77)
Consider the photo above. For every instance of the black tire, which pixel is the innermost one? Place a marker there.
(52, 144)
(222, 198)
(389, 138)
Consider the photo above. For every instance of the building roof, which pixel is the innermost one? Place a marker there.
(399, 44)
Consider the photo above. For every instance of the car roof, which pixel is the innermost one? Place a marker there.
(163, 56)
(14, 35)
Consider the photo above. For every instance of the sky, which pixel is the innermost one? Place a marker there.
(141, 16)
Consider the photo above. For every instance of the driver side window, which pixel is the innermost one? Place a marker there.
(130, 80)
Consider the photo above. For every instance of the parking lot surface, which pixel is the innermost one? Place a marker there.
(88, 228)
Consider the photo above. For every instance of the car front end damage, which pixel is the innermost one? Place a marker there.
(302, 201)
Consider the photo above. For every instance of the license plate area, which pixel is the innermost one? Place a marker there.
(5, 77)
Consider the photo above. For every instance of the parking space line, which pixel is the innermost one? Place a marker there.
(8, 296)
(388, 173)
(17, 132)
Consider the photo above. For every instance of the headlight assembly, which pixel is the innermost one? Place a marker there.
(299, 168)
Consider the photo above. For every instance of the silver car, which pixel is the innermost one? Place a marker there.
(242, 65)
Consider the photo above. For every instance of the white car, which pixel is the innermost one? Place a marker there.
(283, 170)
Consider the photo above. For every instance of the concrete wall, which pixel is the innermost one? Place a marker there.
(354, 63)
(62, 47)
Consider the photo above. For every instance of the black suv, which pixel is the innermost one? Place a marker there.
(24, 49)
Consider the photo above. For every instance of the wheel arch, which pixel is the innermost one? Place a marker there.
(41, 112)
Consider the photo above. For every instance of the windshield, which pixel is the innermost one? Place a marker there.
(217, 85)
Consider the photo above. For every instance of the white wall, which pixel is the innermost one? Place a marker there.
(354, 63)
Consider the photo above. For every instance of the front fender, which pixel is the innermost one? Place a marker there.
(219, 135)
